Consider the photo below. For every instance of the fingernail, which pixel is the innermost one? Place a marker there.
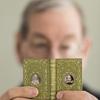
(34, 91)
(59, 96)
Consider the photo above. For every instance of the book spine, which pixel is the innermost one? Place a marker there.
(53, 78)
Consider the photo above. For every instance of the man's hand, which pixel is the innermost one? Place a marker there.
(20, 93)
(75, 95)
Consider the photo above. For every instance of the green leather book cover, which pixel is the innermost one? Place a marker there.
(36, 73)
(52, 75)
(69, 74)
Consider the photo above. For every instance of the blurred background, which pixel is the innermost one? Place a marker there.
(11, 73)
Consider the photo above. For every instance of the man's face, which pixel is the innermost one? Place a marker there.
(55, 34)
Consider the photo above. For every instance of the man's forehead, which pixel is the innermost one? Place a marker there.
(58, 13)
(56, 23)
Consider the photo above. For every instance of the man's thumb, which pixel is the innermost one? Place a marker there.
(60, 95)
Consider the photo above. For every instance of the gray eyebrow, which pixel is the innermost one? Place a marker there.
(70, 36)
(38, 34)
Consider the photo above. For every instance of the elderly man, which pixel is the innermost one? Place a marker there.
(59, 28)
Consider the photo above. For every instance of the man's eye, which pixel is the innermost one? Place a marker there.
(40, 45)
(65, 47)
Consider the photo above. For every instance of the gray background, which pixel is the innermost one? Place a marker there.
(11, 72)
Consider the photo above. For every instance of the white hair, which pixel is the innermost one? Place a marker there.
(42, 5)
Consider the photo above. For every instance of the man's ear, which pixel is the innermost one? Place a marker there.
(85, 49)
(86, 46)
(18, 39)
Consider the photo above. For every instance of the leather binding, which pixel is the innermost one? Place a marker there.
(52, 75)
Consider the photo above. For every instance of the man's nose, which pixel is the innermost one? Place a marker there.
(54, 54)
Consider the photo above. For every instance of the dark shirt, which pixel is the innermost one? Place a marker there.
(85, 88)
